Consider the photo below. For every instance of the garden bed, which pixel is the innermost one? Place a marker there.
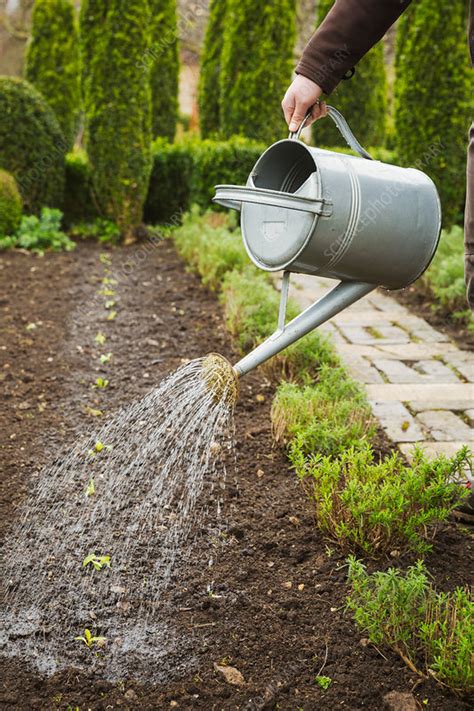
(272, 605)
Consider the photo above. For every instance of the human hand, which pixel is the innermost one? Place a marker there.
(302, 94)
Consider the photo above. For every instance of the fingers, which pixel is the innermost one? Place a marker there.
(288, 105)
(318, 111)
(297, 118)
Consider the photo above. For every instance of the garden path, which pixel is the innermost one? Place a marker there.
(419, 383)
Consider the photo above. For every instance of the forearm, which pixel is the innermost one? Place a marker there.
(349, 30)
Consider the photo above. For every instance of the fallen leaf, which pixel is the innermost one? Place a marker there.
(230, 674)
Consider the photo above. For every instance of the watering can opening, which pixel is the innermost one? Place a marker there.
(285, 166)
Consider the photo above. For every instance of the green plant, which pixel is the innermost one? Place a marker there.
(324, 417)
(432, 632)
(105, 358)
(104, 231)
(444, 279)
(100, 339)
(92, 18)
(209, 78)
(101, 383)
(40, 234)
(78, 203)
(324, 682)
(256, 66)
(52, 61)
(361, 99)
(162, 62)
(90, 641)
(118, 114)
(32, 146)
(11, 206)
(427, 136)
(169, 190)
(382, 506)
(97, 561)
(90, 491)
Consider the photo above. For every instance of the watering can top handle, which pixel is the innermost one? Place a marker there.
(343, 127)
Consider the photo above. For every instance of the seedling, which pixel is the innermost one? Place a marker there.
(109, 303)
(90, 491)
(106, 292)
(98, 561)
(111, 316)
(93, 412)
(100, 339)
(324, 682)
(90, 641)
(108, 280)
(101, 383)
(105, 259)
(105, 358)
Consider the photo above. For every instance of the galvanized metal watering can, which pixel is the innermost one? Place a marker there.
(355, 219)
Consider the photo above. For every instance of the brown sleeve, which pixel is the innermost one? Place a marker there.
(348, 31)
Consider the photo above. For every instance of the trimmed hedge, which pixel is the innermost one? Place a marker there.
(11, 206)
(78, 205)
(32, 145)
(362, 99)
(52, 61)
(433, 73)
(169, 192)
(92, 18)
(257, 63)
(209, 79)
(163, 61)
(118, 114)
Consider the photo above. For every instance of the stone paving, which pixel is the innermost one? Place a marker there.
(419, 383)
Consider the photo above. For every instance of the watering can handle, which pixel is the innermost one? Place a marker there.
(343, 127)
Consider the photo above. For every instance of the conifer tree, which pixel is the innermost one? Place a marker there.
(52, 62)
(209, 81)
(257, 62)
(163, 58)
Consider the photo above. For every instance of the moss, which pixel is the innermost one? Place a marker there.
(163, 63)
(209, 79)
(362, 99)
(257, 62)
(32, 145)
(433, 74)
(52, 61)
(118, 114)
(11, 206)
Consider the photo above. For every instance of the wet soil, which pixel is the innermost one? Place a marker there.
(276, 608)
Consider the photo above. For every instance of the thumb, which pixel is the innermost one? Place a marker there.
(298, 116)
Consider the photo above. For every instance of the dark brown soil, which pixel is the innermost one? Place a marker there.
(279, 587)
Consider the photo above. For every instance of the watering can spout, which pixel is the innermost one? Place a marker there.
(338, 299)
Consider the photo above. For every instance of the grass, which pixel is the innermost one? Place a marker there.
(444, 279)
(378, 507)
(432, 632)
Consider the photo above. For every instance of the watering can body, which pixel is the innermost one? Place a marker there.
(351, 218)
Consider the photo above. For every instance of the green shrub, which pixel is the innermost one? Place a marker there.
(379, 506)
(118, 114)
(162, 61)
(257, 62)
(11, 206)
(52, 61)
(92, 18)
(224, 162)
(103, 231)
(362, 99)
(78, 203)
(433, 72)
(444, 279)
(40, 234)
(169, 190)
(32, 147)
(432, 632)
(326, 417)
(209, 78)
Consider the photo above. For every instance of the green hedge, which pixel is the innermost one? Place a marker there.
(163, 61)
(52, 61)
(433, 74)
(11, 206)
(79, 204)
(209, 78)
(169, 190)
(257, 62)
(32, 145)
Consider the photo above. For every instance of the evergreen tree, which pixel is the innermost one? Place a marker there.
(209, 81)
(52, 62)
(257, 62)
(91, 26)
(118, 113)
(163, 59)
(362, 99)
(433, 98)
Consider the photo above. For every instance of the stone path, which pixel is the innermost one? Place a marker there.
(419, 383)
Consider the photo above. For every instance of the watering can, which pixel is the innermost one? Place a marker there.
(312, 211)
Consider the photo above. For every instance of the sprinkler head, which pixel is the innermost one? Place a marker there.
(221, 378)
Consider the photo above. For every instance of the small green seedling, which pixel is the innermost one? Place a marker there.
(106, 292)
(109, 303)
(108, 280)
(100, 339)
(90, 491)
(105, 258)
(111, 316)
(93, 412)
(101, 383)
(90, 641)
(98, 447)
(324, 682)
(98, 561)
(105, 358)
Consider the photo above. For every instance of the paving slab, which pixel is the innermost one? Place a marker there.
(418, 391)
(462, 361)
(397, 421)
(432, 449)
(448, 404)
(470, 416)
(445, 426)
